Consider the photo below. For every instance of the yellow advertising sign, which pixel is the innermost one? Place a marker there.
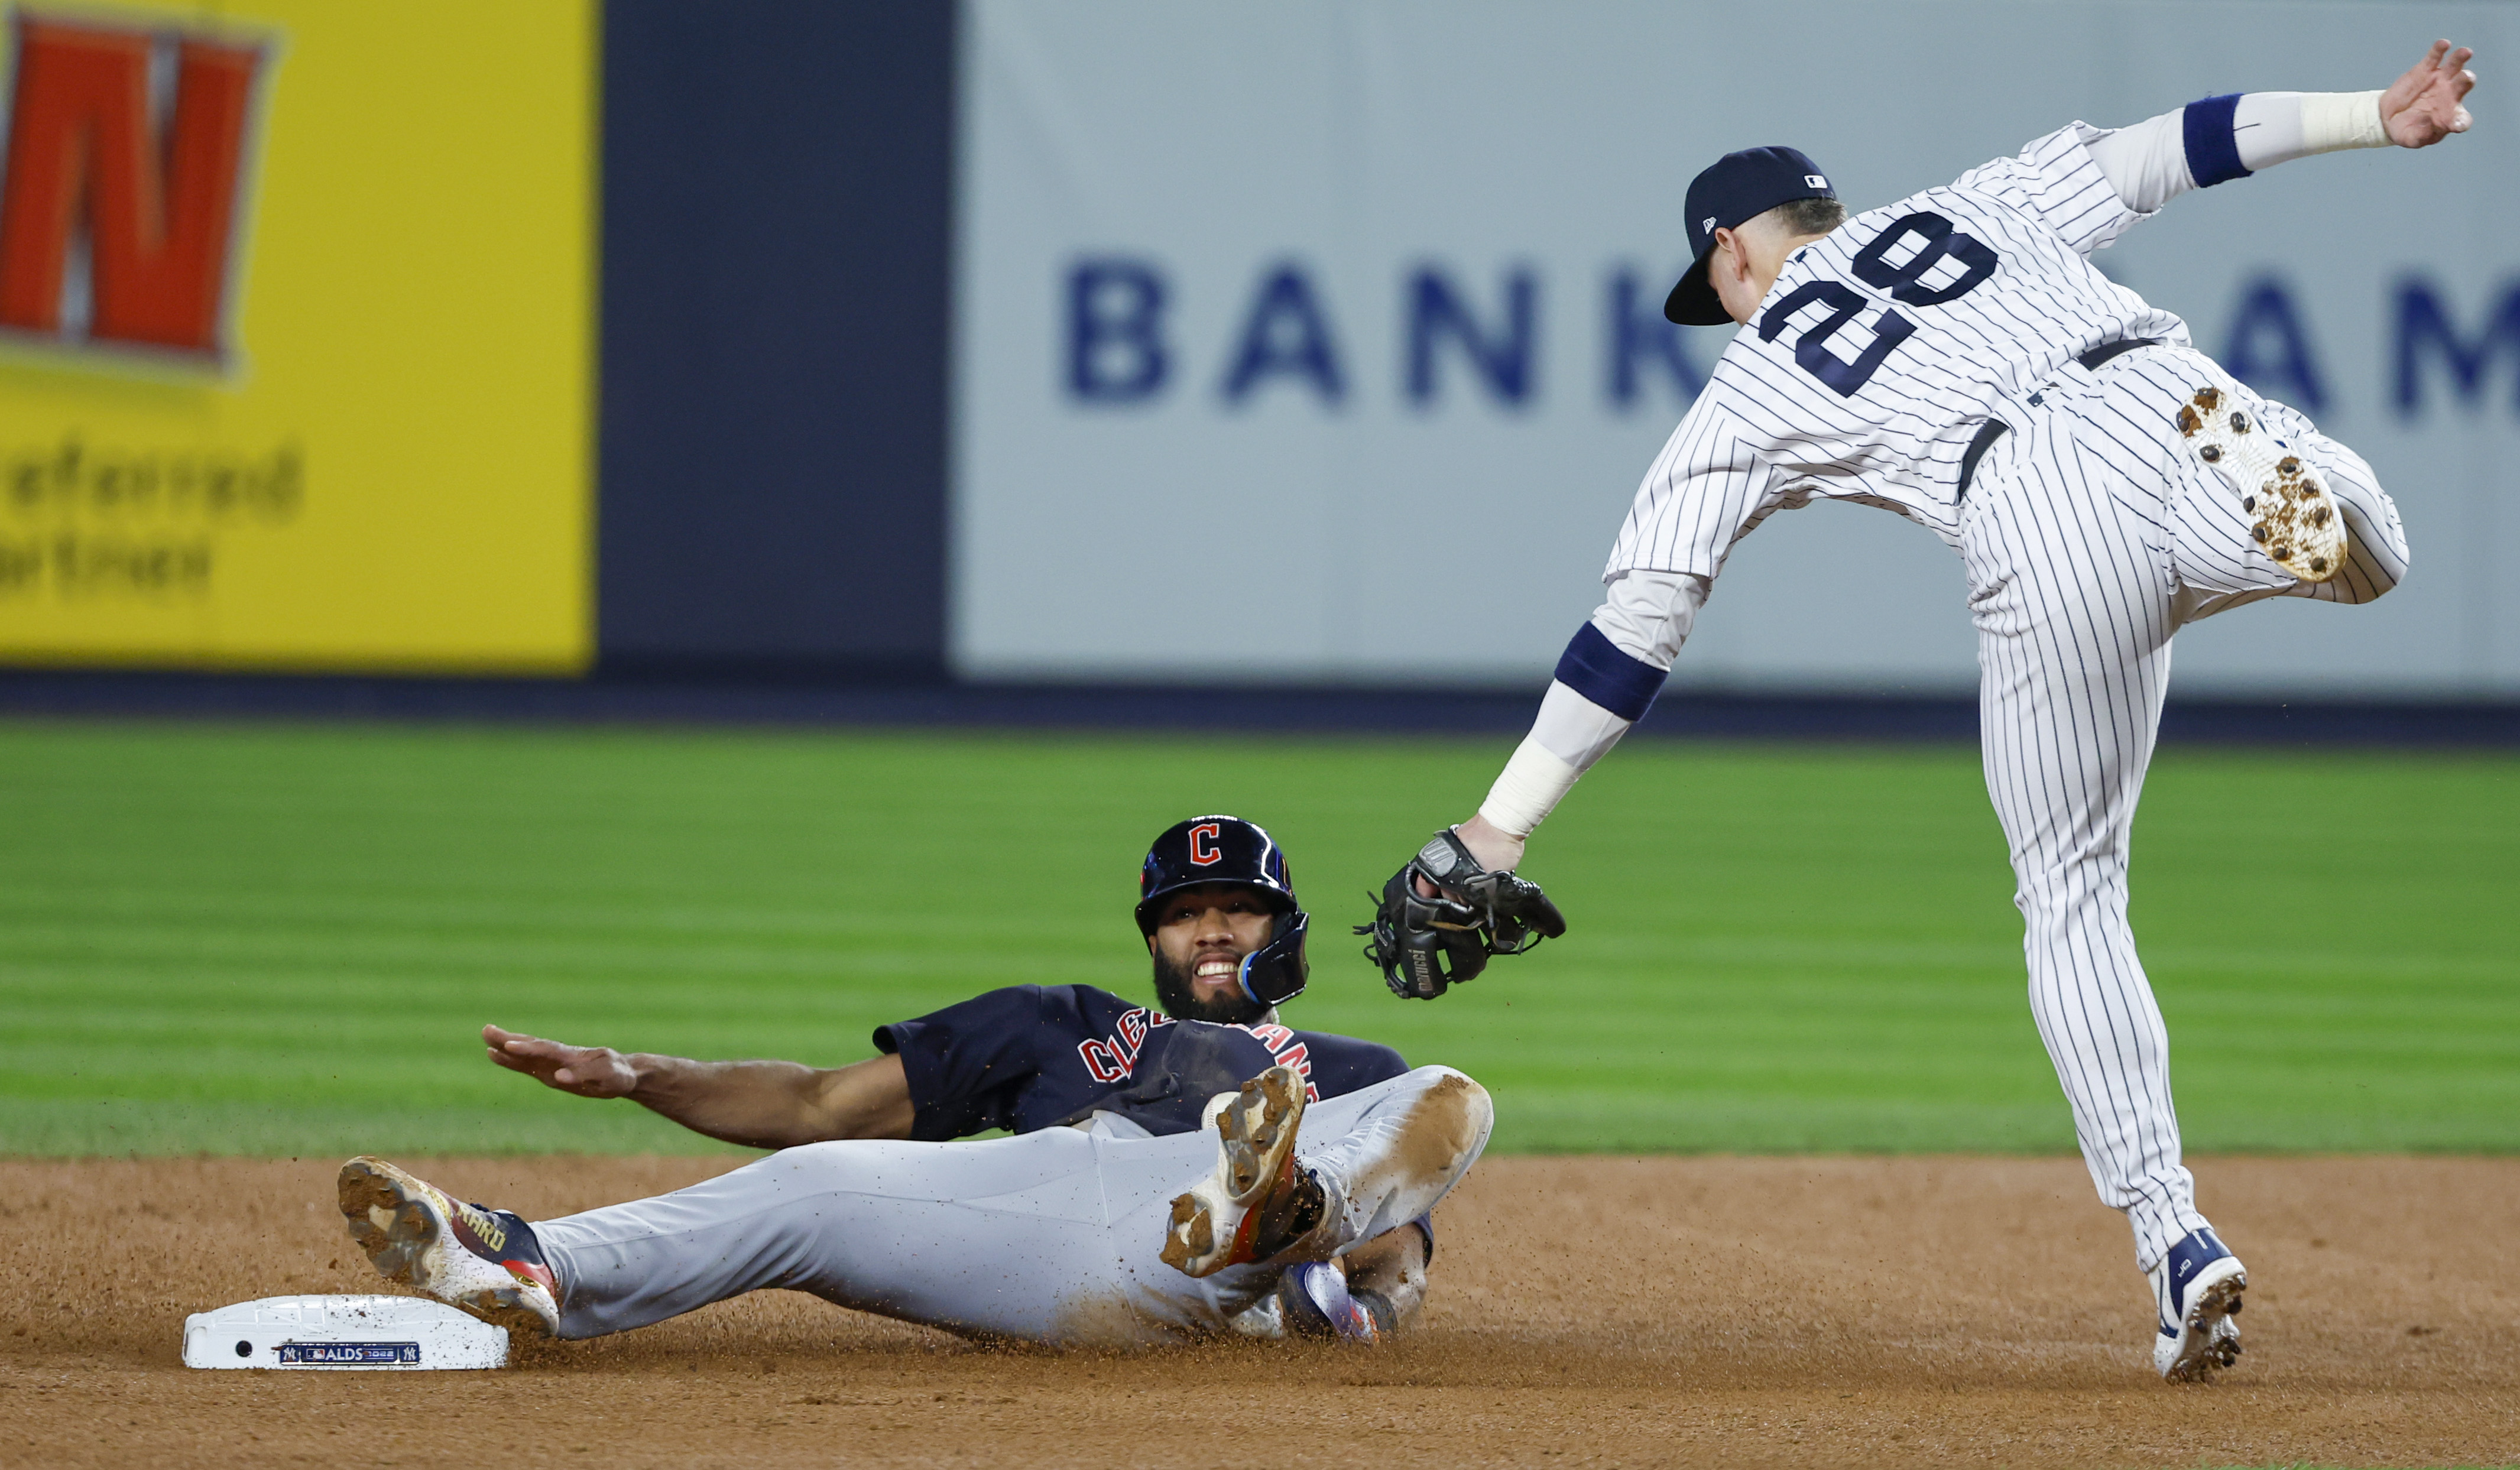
(296, 336)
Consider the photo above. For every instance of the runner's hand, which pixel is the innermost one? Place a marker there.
(587, 1071)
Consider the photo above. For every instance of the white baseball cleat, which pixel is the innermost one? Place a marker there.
(2197, 1288)
(2294, 519)
(485, 1261)
(1257, 1201)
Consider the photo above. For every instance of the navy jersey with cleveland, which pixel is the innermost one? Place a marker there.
(1034, 1056)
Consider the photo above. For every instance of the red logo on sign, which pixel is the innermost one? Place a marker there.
(151, 191)
(1203, 851)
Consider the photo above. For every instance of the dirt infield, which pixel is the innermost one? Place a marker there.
(1880, 1312)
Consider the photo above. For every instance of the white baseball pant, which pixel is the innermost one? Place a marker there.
(2091, 535)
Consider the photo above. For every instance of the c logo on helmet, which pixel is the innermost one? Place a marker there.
(1203, 851)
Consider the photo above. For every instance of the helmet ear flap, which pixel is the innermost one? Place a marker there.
(1278, 971)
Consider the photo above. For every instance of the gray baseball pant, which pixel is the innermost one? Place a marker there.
(1050, 1236)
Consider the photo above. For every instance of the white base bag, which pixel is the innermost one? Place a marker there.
(391, 1334)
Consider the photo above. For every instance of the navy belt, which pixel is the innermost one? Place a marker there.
(1995, 429)
(2093, 359)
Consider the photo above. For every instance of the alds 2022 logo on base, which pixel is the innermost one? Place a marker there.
(121, 210)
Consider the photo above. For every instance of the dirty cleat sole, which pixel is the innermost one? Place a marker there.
(2292, 516)
(2207, 1338)
(1216, 1224)
(410, 1231)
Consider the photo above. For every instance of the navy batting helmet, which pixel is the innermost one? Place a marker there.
(1213, 850)
(1230, 850)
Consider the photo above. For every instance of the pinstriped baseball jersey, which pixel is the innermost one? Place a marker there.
(1883, 346)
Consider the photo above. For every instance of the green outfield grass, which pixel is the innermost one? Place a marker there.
(281, 940)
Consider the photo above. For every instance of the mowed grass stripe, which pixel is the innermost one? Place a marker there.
(259, 939)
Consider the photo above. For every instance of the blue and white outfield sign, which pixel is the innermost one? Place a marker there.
(1322, 340)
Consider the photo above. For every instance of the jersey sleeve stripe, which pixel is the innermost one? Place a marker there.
(2213, 148)
(1597, 669)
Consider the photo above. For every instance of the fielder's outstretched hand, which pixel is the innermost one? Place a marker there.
(1444, 914)
(587, 1071)
(2422, 107)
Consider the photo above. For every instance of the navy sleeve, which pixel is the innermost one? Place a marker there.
(968, 1064)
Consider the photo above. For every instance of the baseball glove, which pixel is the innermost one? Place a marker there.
(1424, 945)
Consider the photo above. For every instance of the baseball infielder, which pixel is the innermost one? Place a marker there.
(1175, 1202)
(1956, 358)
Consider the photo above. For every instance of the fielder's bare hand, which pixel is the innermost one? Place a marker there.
(1497, 850)
(2422, 107)
(587, 1071)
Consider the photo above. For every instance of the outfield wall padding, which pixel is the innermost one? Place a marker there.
(775, 224)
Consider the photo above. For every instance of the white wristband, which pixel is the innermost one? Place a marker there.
(1531, 785)
(2333, 120)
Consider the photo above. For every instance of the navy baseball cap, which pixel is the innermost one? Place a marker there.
(1738, 186)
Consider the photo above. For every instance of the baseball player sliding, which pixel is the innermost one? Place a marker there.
(1171, 1174)
(1956, 358)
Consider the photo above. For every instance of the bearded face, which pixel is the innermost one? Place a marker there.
(1183, 1001)
(1201, 935)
